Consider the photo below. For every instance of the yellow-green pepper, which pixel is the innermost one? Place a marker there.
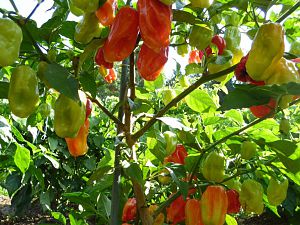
(213, 167)
(277, 191)
(79, 7)
(200, 36)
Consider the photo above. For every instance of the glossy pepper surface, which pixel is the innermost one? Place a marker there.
(79, 7)
(178, 156)
(195, 56)
(234, 205)
(155, 23)
(10, 41)
(87, 29)
(111, 76)
(176, 210)
(106, 13)
(277, 191)
(267, 49)
(214, 205)
(200, 36)
(23, 94)
(171, 142)
(220, 43)
(213, 167)
(129, 210)
(122, 36)
(248, 150)
(150, 63)
(99, 59)
(260, 111)
(251, 196)
(69, 116)
(193, 212)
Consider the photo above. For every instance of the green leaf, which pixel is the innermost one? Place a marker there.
(60, 79)
(193, 68)
(134, 171)
(200, 101)
(4, 86)
(22, 199)
(88, 83)
(230, 220)
(45, 200)
(153, 85)
(183, 16)
(68, 29)
(13, 183)
(22, 158)
(174, 123)
(235, 115)
(60, 217)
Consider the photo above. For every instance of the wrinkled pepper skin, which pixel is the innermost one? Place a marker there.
(200, 37)
(195, 56)
(193, 212)
(99, 59)
(176, 210)
(232, 37)
(155, 23)
(79, 7)
(106, 13)
(251, 196)
(213, 167)
(260, 111)
(248, 150)
(122, 36)
(87, 29)
(234, 205)
(267, 49)
(150, 63)
(277, 191)
(178, 156)
(214, 205)
(111, 76)
(10, 42)
(23, 94)
(129, 210)
(159, 220)
(220, 43)
(69, 116)
(171, 142)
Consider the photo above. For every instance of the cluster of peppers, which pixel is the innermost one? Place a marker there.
(265, 65)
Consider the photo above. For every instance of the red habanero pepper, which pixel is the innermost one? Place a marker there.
(193, 212)
(195, 56)
(178, 156)
(106, 13)
(111, 76)
(220, 43)
(129, 210)
(122, 36)
(260, 111)
(88, 108)
(214, 205)
(176, 210)
(155, 23)
(150, 63)
(99, 59)
(208, 51)
(234, 204)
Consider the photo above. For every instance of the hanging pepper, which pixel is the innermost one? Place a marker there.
(150, 63)
(248, 150)
(182, 49)
(193, 212)
(213, 167)
(200, 36)
(277, 191)
(106, 13)
(267, 49)
(195, 56)
(122, 36)
(171, 142)
(295, 48)
(260, 111)
(201, 3)
(220, 43)
(178, 156)
(23, 93)
(159, 220)
(111, 76)
(234, 205)
(87, 29)
(155, 23)
(99, 59)
(176, 210)
(79, 7)
(214, 205)
(284, 126)
(10, 42)
(129, 210)
(251, 196)
(232, 37)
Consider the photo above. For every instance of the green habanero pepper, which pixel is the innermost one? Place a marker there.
(200, 36)
(251, 196)
(182, 49)
(266, 51)
(10, 41)
(201, 3)
(44, 109)
(171, 142)
(295, 47)
(232, 37)
(277, 191)
(23, 94)
(213, 67)
(87, 29)
(79, 7)
(284, 126)
(213, 167)
(69, 116)
(248, 150)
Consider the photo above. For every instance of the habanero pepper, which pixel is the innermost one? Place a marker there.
(193, 212)
(106, 13)
(159, 220)
(284, 126)
(111, 76)
(176, 210)
(178, 156)
(171, 142)
(201, 3)
(213, 167)
(79, 7)
(129, 210)
(277, 191)
(234, 205)
(200, 36)
(122, 36)
(214, 205)
(195, 56)
(99, 59)
(260, 111)
(155, 23)
(23, 93)
(150, 63)
(220, 43)
(10, 41)
(248, 150)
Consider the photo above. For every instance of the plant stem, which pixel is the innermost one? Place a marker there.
(33, 11)
(289, 12)
(12, 2)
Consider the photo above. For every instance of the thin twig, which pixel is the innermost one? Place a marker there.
(12, 2)
(33, 11)
(289, 12)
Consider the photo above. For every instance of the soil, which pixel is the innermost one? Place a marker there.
(35, 216)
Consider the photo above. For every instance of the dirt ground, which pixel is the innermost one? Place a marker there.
(34, 217)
